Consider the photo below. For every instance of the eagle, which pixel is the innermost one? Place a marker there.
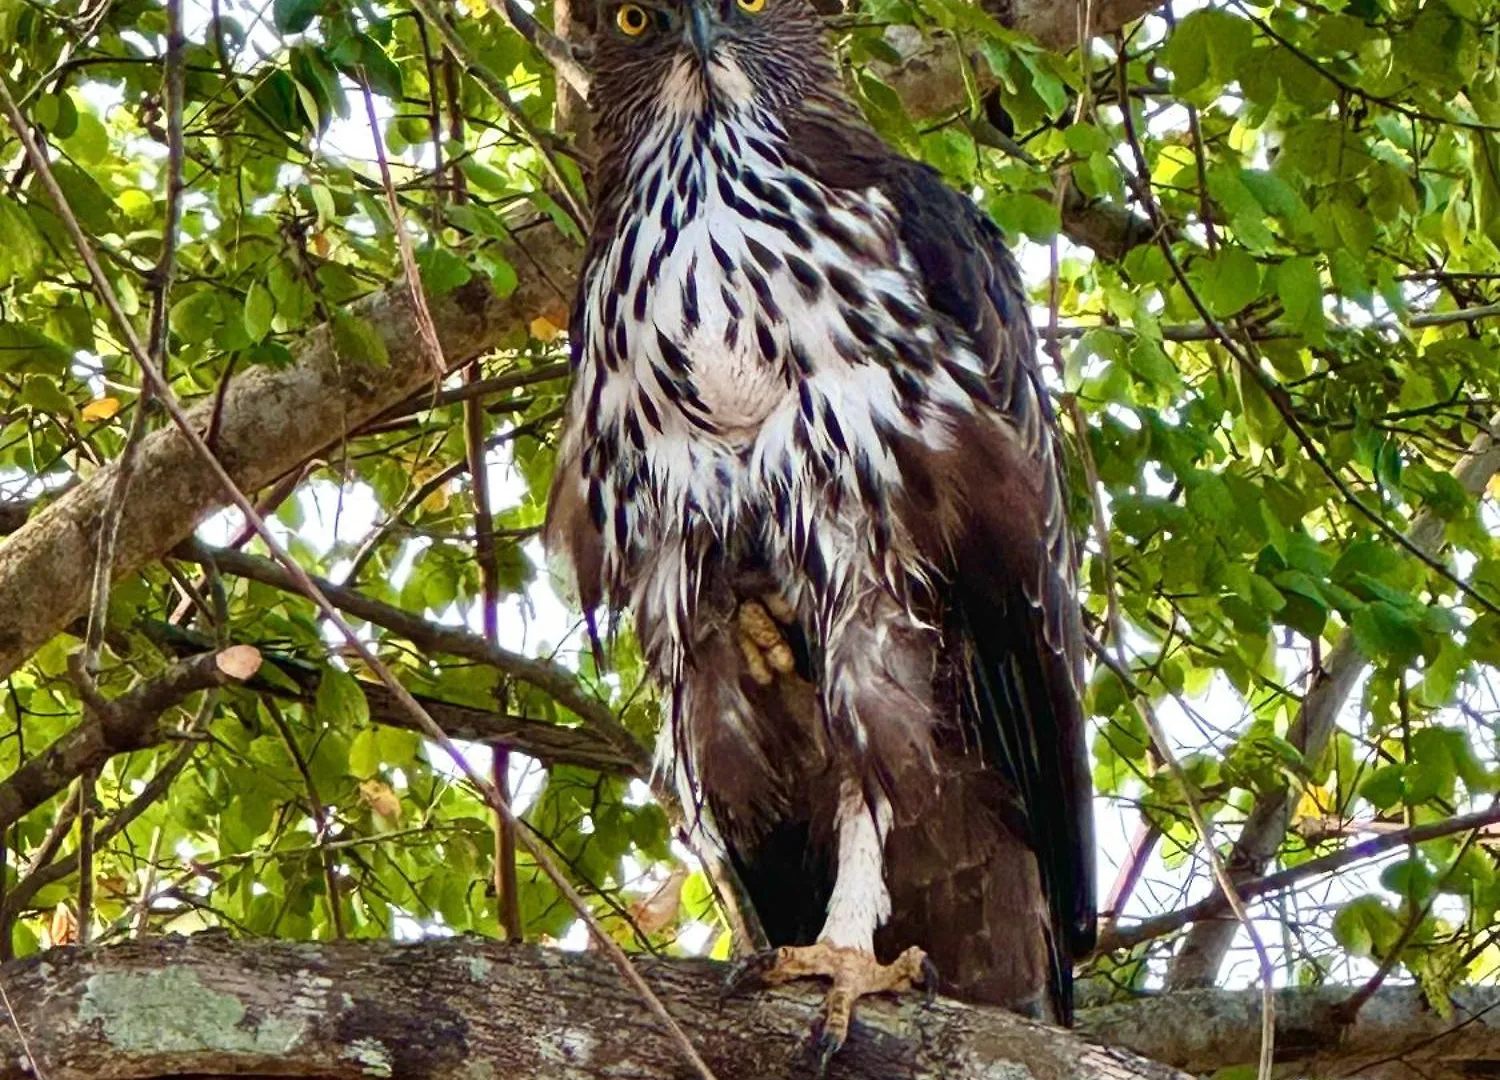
(809, 451)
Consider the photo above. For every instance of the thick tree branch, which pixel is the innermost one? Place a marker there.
(1398, 1034)
(463, 1008)
(116, 727)
(1056, 25)
(272, 421)
(1198, 962)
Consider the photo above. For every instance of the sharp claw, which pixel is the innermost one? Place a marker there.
(929, 980)
(854, 975)
(825, 1047)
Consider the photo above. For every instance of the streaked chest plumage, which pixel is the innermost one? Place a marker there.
(749, 343)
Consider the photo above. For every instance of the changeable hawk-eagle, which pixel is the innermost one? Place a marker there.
(809, 449)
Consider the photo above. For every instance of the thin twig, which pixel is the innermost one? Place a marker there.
(306, 586)
(319, 816)
(1147, 833)
(508, 903)
(114, 511)
(426, 328)
(1210, 906)
(86, 784)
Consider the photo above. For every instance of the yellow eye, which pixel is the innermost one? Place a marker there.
(754, 7)
(633, 20)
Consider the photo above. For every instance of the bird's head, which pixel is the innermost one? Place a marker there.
(667, 61)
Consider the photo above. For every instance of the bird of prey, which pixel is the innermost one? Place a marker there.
(809, 450)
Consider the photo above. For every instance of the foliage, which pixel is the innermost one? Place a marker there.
(1313, 335)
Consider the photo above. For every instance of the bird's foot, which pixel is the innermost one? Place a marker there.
(853, 972)
(767, 653)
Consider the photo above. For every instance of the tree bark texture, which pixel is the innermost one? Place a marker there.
(272, 421)
(473, 1009)
(1398, 1035)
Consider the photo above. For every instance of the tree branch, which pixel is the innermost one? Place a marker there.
(1212, 906)
(556, 681)
(463, 1007)
(115, 727)
(1398, 1035)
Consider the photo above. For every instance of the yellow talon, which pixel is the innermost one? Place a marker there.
(853, 973)
(760, 636)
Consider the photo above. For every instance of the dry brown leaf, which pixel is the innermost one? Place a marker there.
(423, 471)
(101, 408)
(63, 929)
(382, 801)
(658, 911)
(113, 884)
(239, 662)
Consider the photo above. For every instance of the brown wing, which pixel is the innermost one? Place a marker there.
(1012, 598)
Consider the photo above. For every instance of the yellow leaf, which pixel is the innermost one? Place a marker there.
(544, 330)
(381, 800)
(101, 408)
(437, 501)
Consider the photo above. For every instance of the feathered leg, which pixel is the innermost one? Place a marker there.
(845, 950)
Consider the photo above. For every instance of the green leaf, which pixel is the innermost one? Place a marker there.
(501, 273)
(1384, 788)
(1026, 214)
(1412, 879)
(1365, 926)
(294, 16)
(1229, 282)
(1385, 632)
(340, 702)
(195, 316)
(442, 271)
(23, 249)
(42, 393)
(260, 309)
(25, 349)
(89, 142)
(1300, 291)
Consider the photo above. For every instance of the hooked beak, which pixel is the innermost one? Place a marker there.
(703, 29)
